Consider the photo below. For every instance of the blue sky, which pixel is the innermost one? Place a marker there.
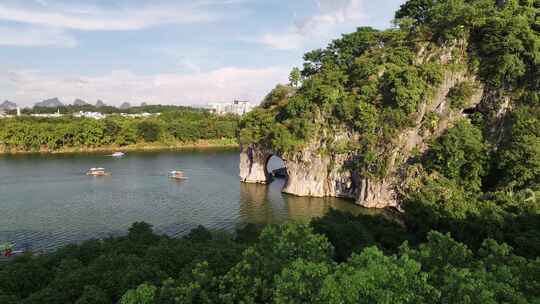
(159, 51)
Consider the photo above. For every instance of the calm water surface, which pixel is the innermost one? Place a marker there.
(48, 201)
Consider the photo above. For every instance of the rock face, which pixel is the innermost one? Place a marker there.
(253, 161)
(8, 105)
(311, 173)
(125, 106)
(100, 104)
(79, 103)
(49, 103)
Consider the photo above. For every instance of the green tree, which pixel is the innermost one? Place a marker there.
(461, 154)
(144, 294)
(149, 131)
(295, 77)
(372, 277)
(93, 295)
(301, 282)
(518, 159)
(252, 280)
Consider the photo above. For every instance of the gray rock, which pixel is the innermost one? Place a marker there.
(8, 105)
(49, 103)
(125, 106)
(80, 103)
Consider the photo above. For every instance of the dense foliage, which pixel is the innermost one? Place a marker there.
(373, 82)
(178, 125)
(290, 263)
(480, 178)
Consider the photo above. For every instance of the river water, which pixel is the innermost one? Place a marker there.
(47, 200)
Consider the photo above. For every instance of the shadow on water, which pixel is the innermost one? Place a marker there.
(265, 204)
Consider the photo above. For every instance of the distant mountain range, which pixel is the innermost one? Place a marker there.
(100, 104)
(125, 106)
(49, 103)
(8, 105)
(80, 103)
(56, 103)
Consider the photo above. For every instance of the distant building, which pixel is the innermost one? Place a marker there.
(140, 115)
(94, 115)
(238, 107)
(48, 115)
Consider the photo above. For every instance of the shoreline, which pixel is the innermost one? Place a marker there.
(201, 144)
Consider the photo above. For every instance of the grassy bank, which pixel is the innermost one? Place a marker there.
(155, 146)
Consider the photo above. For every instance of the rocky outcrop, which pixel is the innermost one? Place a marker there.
(253, 161)
(79, 103)
(49, 103)
(8, 105)
(312, 173)
(125, 106)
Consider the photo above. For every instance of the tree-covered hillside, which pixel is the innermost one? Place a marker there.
(478, 174)
(375, 82)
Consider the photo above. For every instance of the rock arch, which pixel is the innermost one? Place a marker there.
(309, 173)
(253, 161)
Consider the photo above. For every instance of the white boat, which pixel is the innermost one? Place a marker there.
(177, 175)
(97, 172)
(118, 154)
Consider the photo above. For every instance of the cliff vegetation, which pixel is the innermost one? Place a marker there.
(449, 95)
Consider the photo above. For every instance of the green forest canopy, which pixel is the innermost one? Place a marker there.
(173, 125)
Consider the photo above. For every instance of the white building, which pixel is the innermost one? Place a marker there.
(94, 115)
(140, 115)
(238, 107)
(46, 115)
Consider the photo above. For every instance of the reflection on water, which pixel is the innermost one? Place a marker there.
(265, 204)
(48, 201)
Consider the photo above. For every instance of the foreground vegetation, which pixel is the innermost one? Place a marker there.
(174, 127)
(337, 259)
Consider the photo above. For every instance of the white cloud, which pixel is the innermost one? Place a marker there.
(330, 13)
(333, 12)
(111, 18)
(289, 40)
(30, 37)
(229, 83)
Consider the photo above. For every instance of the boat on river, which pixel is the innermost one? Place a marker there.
(118, 154)
(97, 172)
(7, 250)
(178, 175)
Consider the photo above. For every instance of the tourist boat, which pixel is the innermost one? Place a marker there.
(97, 172)
(6, 250)
(177, 175)
(118, 154)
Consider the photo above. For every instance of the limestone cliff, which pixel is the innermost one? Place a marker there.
(312, 173)
(418, 96)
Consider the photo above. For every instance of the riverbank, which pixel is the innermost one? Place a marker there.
(200, 144)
